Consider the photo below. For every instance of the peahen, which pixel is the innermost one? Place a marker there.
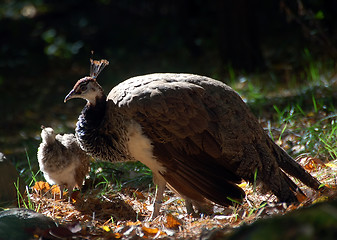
(196, 134)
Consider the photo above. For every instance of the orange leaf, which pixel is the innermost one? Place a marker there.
(139, 194)
(41, 186)
(311, 163)
(76, 196)
(55, 190)
(172, 222)
(118, 235)
(300, 197)
(150, 231)
(292, 207)
(129, 223)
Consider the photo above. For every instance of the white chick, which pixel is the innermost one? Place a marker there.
(62, 161)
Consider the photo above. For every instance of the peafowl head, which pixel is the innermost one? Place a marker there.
(47, 134)
(88, 88)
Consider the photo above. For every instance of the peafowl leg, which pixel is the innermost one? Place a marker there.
(158, 199)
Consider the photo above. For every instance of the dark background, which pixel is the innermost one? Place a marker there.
(146, 36)
(45, 47)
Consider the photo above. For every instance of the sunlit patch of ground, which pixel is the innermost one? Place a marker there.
(123, 214)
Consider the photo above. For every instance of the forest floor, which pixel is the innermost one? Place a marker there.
(123, 214)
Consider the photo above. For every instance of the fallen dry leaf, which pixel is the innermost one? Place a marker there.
(117, 235)
(172, 222)
(106, 228)
(331, 165)
(55, 190)
(311, 163)
(150, 231)
(129, 223)
(41, 186)
(243, 184)
(300, 197)
(138, 194)
(320, 199)
(76, 196)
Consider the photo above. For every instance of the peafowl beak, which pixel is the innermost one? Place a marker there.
(69, 96)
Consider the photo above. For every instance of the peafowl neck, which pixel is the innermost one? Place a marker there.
(92, 115)
(101, 133)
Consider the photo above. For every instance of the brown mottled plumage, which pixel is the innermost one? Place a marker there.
(62, 161)
(196, 135)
